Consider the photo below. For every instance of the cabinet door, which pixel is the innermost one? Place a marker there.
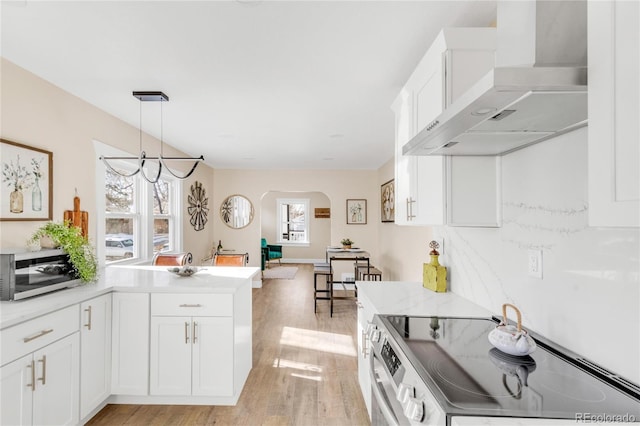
(614, 108)
(16, 392)
(56, 398)
(213, 365)
(170, 361)
(130, 344)
(365, 315)
(95, 353)
(405, 165)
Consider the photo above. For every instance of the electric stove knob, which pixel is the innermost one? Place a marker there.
(405, 392)
(414, 409)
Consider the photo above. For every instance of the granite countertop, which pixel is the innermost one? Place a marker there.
(411, 298)
(130, 279)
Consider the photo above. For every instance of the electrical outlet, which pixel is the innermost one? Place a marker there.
(535, 263)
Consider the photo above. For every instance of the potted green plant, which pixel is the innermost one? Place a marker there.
(69, 238)
(346, 243)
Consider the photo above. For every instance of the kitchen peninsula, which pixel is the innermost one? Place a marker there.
(139, 335)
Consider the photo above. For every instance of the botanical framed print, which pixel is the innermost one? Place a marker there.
(26, 190)
(387, 202)
(356, 212)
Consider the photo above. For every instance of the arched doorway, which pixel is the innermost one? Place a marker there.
(313, 247)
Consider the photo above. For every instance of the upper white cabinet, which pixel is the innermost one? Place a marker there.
(614, 108)
(436, 190)
(95, 353)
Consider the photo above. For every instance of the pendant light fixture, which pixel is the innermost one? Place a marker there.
(142, 157)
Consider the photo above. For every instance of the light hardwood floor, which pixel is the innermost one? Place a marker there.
(304, 367)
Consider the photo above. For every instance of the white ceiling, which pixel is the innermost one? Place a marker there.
(252, 84)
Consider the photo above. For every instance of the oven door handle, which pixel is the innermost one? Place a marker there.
(379, 394)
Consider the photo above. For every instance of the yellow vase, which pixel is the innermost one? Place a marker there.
(434, 275)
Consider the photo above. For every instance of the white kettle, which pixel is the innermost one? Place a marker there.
(511, 339)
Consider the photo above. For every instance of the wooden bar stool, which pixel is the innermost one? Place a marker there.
(373, 274)
(323, 269)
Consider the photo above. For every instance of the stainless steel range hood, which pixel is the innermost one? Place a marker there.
(537, 91)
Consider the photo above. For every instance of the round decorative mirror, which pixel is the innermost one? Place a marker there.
(236, 211)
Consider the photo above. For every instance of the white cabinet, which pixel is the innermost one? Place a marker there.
(614, 108)
(365, 316)
(130, 344)
(436, 190)
(42, 388)
(95, 353)
(419, 192)
(192, 355)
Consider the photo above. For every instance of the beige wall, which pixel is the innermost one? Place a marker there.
(39, 114)
(337, 185)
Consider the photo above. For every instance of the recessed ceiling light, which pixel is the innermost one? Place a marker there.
(328, 159)
(483, 111)
(336, 136)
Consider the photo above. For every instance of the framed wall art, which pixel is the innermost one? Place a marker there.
(387, 202)
(356, 212)
(26, 190)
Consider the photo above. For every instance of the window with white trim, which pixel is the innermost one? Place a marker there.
(293, 220)
(136, 219)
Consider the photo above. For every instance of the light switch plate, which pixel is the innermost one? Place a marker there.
(535, 263)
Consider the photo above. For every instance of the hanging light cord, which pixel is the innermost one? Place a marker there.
(142, 157)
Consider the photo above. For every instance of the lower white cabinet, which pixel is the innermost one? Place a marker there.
(130, 344)
(95, 353)
(41, 388)
(365, 316)
(191, 356)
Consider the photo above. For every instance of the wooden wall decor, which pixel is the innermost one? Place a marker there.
(322, 213)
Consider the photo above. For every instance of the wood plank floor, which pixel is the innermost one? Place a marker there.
(304, 367)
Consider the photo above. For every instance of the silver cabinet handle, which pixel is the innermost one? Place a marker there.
(88, 324)
(186, 332)
(32, 385)
(42, 333)
(43, 379)
(195, 336)
(410, 214)
(186, 305)
(364, 344)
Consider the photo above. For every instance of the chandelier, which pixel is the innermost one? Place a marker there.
(142, 157)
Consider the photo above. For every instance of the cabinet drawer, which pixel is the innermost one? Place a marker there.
(32, 335)
(213, 305)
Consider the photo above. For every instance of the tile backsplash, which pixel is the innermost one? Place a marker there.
(588, 299)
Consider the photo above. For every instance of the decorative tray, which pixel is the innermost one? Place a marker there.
(183, 271)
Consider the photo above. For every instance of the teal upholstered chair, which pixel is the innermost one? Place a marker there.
(270, 252)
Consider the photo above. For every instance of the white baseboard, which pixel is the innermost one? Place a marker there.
(311, 261)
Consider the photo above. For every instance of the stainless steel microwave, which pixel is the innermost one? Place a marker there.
(26, 274)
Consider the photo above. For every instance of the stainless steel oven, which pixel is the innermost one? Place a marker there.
(26, 274)
(434, 370)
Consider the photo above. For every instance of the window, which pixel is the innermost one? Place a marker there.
(293, 223)
(139, 218)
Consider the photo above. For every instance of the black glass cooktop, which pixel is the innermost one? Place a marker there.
(469, 376)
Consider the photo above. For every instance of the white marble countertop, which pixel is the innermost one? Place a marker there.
(132, 279)
(411, 298)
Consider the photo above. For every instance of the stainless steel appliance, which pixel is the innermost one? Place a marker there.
(428, 370)
(25, 274)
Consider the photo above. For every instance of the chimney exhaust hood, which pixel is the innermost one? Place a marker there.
(537, 91)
